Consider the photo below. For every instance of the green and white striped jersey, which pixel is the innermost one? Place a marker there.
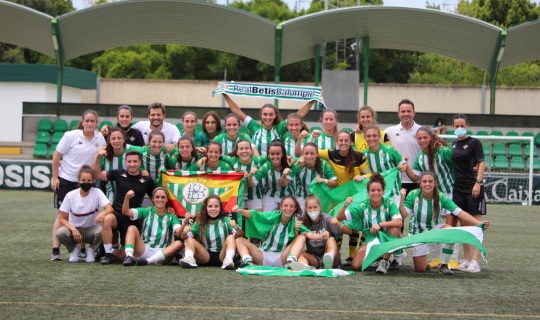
(262, 137)
(215, 234)
(198, 139)
(386, 158)
(303, 177)
(323, 141)
(222, 166)
(279, 235)
(227, 145)
(176, 163)
(421, 211)
(290, 144)
(444, 168)
(117, 162)
(360, 215)
(256, 162)
(153, 163)
(268, 179)
(157, 229)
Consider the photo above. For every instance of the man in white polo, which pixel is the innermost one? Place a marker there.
(403, 137)
(156, 115)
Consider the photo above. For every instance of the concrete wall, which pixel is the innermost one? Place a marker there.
(12, 94)
(383, 97)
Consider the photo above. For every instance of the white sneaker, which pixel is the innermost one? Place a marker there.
(473, 267)
(188, 262)
(228, 264)
(463, 264)
(383, 266)
(74, 255)
(298, 266)
(90, 257)
(328, 261)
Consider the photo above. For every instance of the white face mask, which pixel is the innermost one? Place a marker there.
(460, 132)
(313, 214)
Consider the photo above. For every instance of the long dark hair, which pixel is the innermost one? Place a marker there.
(435, 199)
(109, 148)
(193, 149)
(216, 118)
(435, 143)
(278, 143)
(307, 219)
(298, 211)
(203, 217)
(318, 164)
(350, 158)
(278, 118)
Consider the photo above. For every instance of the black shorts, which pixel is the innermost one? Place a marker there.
(473, 206)
(63, 189)
(122, 224)
(214, 260)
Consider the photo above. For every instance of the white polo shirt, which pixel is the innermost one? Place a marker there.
(170, 131)
(76, 150)
(405, 142)
(83, 211)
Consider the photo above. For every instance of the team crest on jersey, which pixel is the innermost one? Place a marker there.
(141, 180)
(465, 146)
(132, 138)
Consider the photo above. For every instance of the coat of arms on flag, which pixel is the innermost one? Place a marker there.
(188, 189)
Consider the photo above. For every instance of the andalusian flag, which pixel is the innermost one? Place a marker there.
(383, 242)
(188, 189)
(332, 200)
(282, 272)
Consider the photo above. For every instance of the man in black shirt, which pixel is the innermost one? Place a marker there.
(125, 180)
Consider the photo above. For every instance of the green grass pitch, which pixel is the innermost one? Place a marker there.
(32, 287)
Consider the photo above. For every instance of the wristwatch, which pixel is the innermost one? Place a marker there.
(479, 181)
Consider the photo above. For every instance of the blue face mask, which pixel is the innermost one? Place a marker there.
(460, 132)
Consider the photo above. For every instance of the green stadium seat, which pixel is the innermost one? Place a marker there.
(74, 124)
(45, 125)
(517, 163)
(499, 149)
(497, 133)
(469, 133)
(43, 137)
(53, 149)
(56, 137)
(105, 122)
(515, 150)
(482, 133)
(501, 162)
(315, 128)
(528, 151)
(487, 150)
(180, 127)
(60, 125)
(536, 164)
(513, 134)
(243, 129)
(450, 132)
(40, 150)
(528, 134)
(198, 128)
(348, 130)
(537, 139)
(489, 161)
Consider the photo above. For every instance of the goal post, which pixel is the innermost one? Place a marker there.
(508, 177)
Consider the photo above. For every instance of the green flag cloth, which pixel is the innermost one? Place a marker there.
(261, 223)
(277, 91)
(282, 272)
(383, 242)
(332, 200)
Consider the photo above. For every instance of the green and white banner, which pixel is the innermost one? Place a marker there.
(383, 242)
(282, 272)
(277, 91)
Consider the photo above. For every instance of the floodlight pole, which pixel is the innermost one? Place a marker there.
(494, 69)
(365, 44)
(317, 71)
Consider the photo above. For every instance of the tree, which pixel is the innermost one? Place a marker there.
(436, 69)
(137, 62)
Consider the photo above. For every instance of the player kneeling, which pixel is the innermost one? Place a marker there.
(152, 246)
(216, 233)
